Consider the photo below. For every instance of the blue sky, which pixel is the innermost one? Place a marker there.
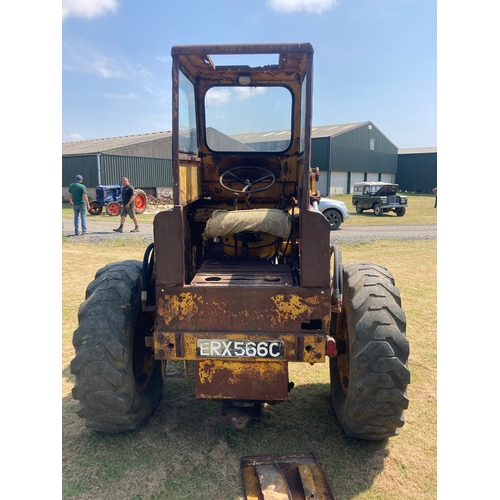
(374, 60)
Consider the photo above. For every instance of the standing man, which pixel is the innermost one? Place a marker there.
(128, 206)
(79, 200)
(435, 191)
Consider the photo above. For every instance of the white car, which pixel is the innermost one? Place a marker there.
(334, 210)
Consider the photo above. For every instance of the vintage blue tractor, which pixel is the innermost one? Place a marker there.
(111, 198)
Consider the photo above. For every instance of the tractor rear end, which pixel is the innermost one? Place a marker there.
(242, 278)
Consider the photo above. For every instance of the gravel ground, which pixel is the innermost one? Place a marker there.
(101, 230)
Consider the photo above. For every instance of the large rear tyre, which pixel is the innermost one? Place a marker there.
(370, 375)
(141, 201)
(118, 382)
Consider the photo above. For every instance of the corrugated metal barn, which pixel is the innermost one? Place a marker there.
(417, 169)
(351, 153)
(344, 154)
(145, 159)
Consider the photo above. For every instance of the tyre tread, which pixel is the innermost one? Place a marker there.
(105, 384)
(378, 377)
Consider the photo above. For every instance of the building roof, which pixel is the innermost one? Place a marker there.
(284, 135)
(414, 151)
(109, 145)
(94, 146)
(333, 130)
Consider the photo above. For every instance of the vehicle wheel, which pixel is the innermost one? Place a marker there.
(334, 218)
(141, 201)
(113, 209)
(400, 211)
(118, 382)
(95, 208)
(359, 210)
(369, 377)
(378, 210)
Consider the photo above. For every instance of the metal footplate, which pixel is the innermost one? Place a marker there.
(284, 477)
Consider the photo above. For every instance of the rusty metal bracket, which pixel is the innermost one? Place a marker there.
(176, 376)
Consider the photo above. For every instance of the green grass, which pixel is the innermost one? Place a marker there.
(187, 452)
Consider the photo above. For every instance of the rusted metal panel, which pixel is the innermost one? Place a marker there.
(249, 48)
(279, 309)
(243, 273)
(314, 249)
(241, 380)
(169, 249)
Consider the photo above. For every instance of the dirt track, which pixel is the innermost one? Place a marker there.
(100, 230)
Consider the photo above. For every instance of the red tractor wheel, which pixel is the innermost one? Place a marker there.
(95, 208)
(113, 209)
(141, 201)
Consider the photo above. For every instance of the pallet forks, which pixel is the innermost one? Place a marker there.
(284, 477)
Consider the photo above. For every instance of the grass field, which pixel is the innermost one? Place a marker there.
(420, 211)
(187, 452)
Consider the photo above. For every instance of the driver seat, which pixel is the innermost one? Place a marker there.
(252, 234)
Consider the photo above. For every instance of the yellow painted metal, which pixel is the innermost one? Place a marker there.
(251, 483)
(288, 308)
(180, 306)
(291, 477)
(307, 478)
(190, 182)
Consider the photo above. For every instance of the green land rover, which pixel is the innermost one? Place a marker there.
(380, 197)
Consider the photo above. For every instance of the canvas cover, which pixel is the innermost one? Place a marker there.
(263, 220)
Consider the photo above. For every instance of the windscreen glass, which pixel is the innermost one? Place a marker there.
(187, 117)
(248, 118)
(303, 100)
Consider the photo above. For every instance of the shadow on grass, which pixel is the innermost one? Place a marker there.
(187, 451)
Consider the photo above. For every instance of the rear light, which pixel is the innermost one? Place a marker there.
(331, 347)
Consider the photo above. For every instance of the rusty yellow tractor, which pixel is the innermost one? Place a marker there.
(242, 278)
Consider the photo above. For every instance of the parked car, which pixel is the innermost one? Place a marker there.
(334, 210)
(380, 197)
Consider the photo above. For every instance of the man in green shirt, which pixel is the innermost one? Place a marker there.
(79, 200)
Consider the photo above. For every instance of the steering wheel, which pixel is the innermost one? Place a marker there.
(247, 183)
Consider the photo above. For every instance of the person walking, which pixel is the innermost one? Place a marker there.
(78, 199)
(128, 206)
(435, 191)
